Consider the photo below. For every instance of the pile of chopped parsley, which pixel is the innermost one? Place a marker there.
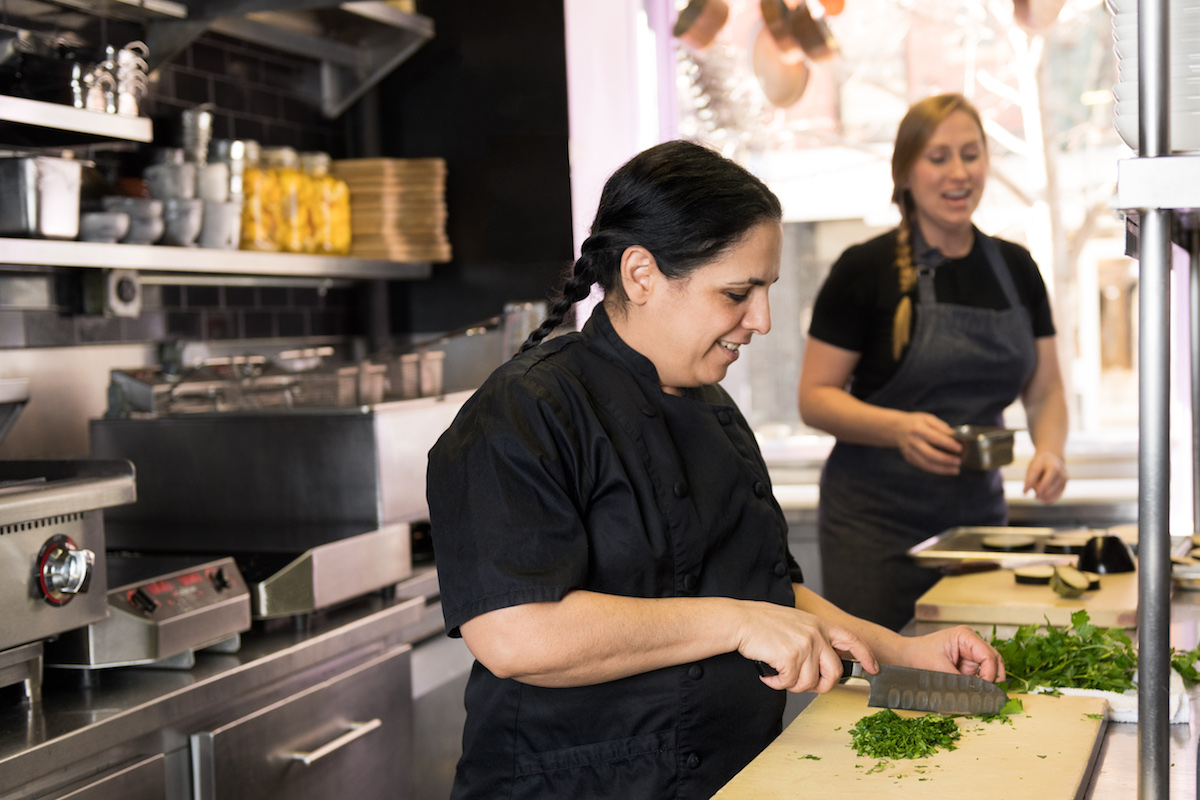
(889, 735)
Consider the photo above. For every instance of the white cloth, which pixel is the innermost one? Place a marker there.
(1123, 706)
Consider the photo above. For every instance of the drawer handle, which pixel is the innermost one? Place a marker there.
(357, 730)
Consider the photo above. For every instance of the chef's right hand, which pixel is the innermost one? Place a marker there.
(804, 650)
(928, 443)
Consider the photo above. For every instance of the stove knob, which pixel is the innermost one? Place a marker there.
(64, 570)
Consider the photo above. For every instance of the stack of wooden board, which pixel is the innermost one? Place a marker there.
(397, 207)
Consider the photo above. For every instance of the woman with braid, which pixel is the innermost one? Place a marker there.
(927, 327)
(607, 541)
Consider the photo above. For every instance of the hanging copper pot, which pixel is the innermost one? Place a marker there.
(775, 15)
(782, 81)
(1035, 15)
(812, 33)
(699, 23)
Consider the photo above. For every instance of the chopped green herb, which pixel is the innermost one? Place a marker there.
(810, 757)
(880, 766)
(888, 735)
(1041, 756)
(1013, 706)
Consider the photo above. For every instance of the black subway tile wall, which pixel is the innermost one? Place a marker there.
(259, 94)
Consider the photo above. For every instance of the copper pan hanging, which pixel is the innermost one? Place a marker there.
(700, 22)
(812, 34)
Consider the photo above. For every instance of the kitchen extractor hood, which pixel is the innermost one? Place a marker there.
(353, 45)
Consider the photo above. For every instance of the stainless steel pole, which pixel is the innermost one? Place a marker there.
(1154, 465)
(1194, 365)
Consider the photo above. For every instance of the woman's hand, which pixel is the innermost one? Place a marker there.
(928, 443)
(1046, 476)
(802, 648)
(957, 649)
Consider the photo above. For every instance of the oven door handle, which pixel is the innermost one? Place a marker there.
(357, 731)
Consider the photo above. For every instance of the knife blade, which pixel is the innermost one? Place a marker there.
(921, 689)
(928, 690)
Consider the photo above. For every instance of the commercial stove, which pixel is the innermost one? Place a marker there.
(161, 610)
(52, 554)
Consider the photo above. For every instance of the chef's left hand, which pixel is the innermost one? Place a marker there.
(957, 649)
(1046, 476)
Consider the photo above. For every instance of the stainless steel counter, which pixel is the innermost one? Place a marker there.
(1116, 773)
(122, 715)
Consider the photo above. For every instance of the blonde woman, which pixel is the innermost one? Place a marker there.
(929, 326)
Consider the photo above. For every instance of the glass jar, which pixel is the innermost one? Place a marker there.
(324, 208)
(284, 189)
(258, 216)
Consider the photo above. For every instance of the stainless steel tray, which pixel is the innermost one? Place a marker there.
(966, 543)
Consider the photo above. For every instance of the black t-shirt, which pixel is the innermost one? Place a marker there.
(570, 468)
(857, 303)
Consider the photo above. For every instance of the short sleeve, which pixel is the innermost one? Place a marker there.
(503, 489)
(841, 310)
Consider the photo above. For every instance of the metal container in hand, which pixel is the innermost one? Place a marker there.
(984, 447)
(39, 197)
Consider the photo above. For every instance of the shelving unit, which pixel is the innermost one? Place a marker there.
(91, 124)
(47, 252)
(354, 44)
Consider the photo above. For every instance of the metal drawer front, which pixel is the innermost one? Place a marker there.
(349, 736)
(145, 780)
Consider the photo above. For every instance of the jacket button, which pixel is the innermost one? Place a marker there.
(648, 410)
(760, 488)
(781, 569)
(693, 761)
(681, 489)
(695, 672)
(689, 583)
(725, 417)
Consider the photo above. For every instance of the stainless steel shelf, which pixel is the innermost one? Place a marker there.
(67, 118)
(52, 253)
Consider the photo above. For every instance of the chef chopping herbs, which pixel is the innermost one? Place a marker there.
(607, 540)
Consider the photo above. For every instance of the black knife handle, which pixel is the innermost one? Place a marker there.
(765, 669)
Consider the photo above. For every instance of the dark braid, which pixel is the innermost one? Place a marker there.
(577, 287)
(684, 203)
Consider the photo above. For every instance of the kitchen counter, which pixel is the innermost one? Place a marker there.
(88, 725)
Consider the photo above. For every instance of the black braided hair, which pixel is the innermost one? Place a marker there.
(684, 203)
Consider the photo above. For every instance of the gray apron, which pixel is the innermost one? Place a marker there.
(964, 365)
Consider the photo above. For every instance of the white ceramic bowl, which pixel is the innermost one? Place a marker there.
(102, 226)
(1185, 130)
(1118, 7)
(183, 217)
(144, 230)
(135, 207)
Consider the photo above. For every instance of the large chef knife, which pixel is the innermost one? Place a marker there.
(922, 689)
(928, 690)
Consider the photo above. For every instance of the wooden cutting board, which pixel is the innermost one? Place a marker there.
(1048, 753)
(995, 598)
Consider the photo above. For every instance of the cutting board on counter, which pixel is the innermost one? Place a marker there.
(1048, 753)
(995, 598)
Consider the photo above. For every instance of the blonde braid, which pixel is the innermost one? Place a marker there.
(902, 321)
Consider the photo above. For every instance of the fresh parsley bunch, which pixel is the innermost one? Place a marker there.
(1082, 656)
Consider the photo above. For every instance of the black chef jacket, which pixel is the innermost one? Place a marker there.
(570, 468)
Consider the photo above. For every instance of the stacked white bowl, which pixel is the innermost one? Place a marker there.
(1183, 72)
